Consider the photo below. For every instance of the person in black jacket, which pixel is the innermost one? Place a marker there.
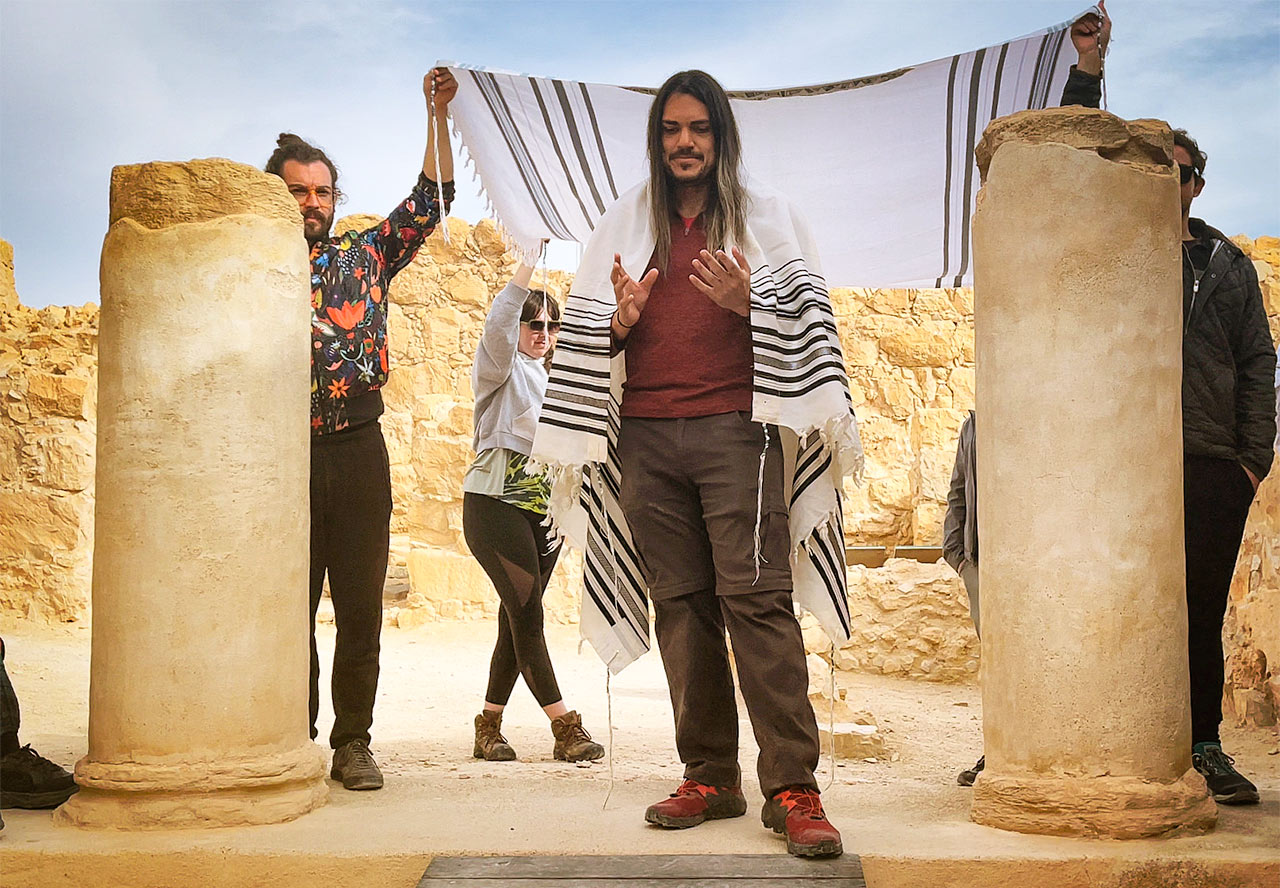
(1228, 425)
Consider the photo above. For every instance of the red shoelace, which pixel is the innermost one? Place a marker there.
(806, 801)
(693, 787)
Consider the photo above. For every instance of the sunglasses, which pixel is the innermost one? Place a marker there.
(1187, 171)
(539, 326)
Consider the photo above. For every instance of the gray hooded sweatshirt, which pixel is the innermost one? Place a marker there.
(509, 387)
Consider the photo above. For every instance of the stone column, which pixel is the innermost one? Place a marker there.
(1077, 295)
(198, 683)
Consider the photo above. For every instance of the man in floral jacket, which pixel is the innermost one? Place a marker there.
(350, 473)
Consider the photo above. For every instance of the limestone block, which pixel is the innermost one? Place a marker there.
(440, 575)
(8, 292)
(936, 304)
(467, 290)
(161, 194)
(1076, 289)
(36, 526)
(441, 463)
(851, 740)
(860, 352)
(933, 468)
(885, 302)
(1146, 146)
(10, 455)
(488, 241)
(66, 460)
(917, 347)
(416, 287)
(451, 252)
(929, 519)
(962, 383)
(937, 428)
(896, 396)
(844, 302)
(60, 394)
(430, 519)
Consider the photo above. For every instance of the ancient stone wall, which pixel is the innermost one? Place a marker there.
(48, 396)
(910, 359)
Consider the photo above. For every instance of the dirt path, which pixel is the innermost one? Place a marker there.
(432, 683)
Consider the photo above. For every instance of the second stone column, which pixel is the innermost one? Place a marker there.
(1077, 300)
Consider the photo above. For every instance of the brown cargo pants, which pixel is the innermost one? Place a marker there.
(689, 492)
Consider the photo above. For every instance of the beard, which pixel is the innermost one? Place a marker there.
(702, 178)
(316, 225)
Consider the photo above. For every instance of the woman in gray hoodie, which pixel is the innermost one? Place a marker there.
(503, 510)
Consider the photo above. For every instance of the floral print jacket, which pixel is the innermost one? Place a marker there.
(350, 275)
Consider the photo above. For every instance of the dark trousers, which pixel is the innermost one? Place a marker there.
(511, 545)
(772, 673)
(691, 494)
(350, 538)
(1216, 498)
(10, 715)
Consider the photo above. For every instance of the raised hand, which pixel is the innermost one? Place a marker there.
(446, 87)
(630, 293)
(1090, 36)
(724, 279)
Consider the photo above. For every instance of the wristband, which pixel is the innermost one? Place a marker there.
(622, 325)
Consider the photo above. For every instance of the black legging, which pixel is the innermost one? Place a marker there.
(511, 545)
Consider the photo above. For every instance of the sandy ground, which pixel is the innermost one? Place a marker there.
(438, 799)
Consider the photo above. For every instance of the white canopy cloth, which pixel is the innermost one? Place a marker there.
(882, 167)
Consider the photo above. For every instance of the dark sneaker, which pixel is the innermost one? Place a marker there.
(694, 802)
(353, 764)
(797, 814)
(573, 743)
(490, 744)
(968, 775)
(1228, 786)
(29, 780)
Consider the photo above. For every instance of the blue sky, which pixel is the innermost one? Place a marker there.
(86, 86)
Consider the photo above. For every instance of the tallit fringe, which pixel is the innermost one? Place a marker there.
(565, 480)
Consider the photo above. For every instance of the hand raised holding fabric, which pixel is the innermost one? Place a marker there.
(446, 87)
(724, 280)
(631, 296)
(1090, 36)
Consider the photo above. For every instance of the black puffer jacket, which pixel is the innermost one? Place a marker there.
(1228, 359)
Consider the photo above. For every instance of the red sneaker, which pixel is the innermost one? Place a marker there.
(694, 802)
(797, 814)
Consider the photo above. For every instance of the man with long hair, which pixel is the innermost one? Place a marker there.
(735, 429)
(350, 473)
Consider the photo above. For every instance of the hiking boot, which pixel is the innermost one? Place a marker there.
(490, 744)
(353, 764)
(1228, 786)
(573, 743)
(968, 775)
(29, 780)
(797, 814)
(694, 802)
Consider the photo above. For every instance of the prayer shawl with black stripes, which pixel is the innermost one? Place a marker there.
(882, 167)
(799, 386)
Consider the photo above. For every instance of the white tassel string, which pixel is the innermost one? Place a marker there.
(831, 722)
(608, 693)
(760, 506)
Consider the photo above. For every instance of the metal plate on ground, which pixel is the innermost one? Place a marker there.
(644, 871)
